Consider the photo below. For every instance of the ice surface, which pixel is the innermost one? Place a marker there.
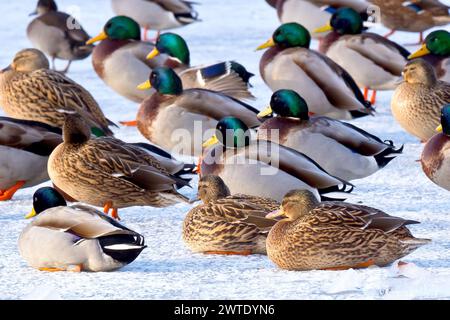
(231, 29)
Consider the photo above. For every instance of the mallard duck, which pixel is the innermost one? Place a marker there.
(356, 153)
(225, 223)
(436, 51)
(336, 235)
(109, 172)
(313, 14)
(417, 102)
(412, 16)
(290, 64)
(176, 119)
(435, 156)
(58, 34)
(229, 77)
(375, 62)
(157, 14)
(262, 168)
(30, 91)
(76, 238)
(120, 58)
(24, 150)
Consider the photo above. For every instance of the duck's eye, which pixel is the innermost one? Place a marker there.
(108, 25)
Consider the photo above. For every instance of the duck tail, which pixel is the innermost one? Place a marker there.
(388, 155)
(336, 193)
(412, 244)
(124, 248)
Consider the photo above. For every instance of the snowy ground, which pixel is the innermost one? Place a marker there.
(167, 269)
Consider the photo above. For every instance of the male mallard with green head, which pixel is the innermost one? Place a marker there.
(76, 238)
(336, 235)
(260, 167)
(176, 119)
(30, 91)
(356, 153)
(58, 34)
(436, 51)
(417, 102)
(373, 61)
(290, 64)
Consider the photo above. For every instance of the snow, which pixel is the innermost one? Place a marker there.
(230, 29)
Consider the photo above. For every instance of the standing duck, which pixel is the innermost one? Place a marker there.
(417, 102)
(435, 156)
(30, 91)
(24, 150)
(313, 14)
(356, 153)
(262, 168)
(436, 51)
(109, 172)
(157, 14)
(373, 61)
(229, 77)
(336, 235)
(290, 64)
(176, 119)
(225, 223)
(76, 238)
(58, 34)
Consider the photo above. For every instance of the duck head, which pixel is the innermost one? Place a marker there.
(445, 120)
(164, 80)
(286, 103)
(173, 45)
(211, 188)
(419, 71)
(75, 129)
(46, 198)
(44, 6)
(288, 35)
(437, 43)
(295, 204)
(118, 28)
(344, 21)
(28, 60)
(231, 132)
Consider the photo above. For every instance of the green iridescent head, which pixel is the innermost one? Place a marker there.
(346, 21)
(288, 35)
(46, 198)
(288, 103)
(231, 132)
(166, 81)
(438, 42)
(445, 119)
(122, 28)
(173, 45)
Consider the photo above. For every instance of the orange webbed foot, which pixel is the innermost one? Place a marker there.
(132, 123)
(9, 193)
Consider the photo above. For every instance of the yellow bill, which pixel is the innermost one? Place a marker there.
(100, 37)
(439, 129)
(269, 43)
(275, 214)
(423, 51)
(325, 28)
(145, 85)
(153, 54)
(211, 141)
(31, 214)
(266, 112)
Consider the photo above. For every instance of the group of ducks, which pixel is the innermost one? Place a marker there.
(262, 174)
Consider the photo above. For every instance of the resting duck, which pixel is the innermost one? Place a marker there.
(109, 172)
(373, 61)
(24, 150)
(417, 102)
(262, 168)
(58, 34)
(225, 223)
(229, 77)
(76, 238)
(157, 14)
(313, 14)
(435, 156)
(436, 51)
(174, 118)
(336, 235)
(412, 16)
(290, 64)
(30, 91)
(356, 153)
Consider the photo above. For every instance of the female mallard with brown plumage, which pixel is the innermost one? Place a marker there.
(109, 172)
(171, 117)
(225, 223)
(229, 77)
(30, 91)
(327, 88)
(373, 61)
(263, 168)
(417, 102)
(24, 150)
(336, 235)
(76, 238)
(58, 34)
(435, 156)
(436, 51)
(356, 153)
